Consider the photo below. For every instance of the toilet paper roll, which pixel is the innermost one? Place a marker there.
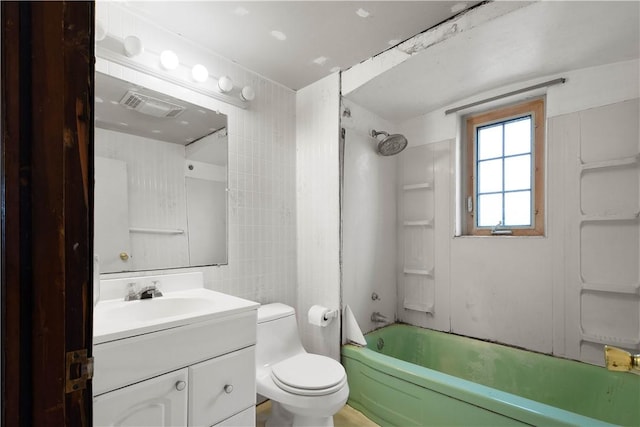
(318, 315)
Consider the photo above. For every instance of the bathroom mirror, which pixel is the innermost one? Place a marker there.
(160, 180)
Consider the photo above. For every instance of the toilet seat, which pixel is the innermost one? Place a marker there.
(309, 375)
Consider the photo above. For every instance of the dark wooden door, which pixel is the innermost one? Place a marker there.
(47, 217)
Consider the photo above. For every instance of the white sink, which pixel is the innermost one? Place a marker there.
(115, 318)
(155, 308)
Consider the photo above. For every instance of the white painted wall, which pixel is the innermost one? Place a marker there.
(510, 289)
(318, 210)
(262, 191)
(369, 232)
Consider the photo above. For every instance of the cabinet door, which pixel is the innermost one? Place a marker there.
(222, 387)
(160, 401)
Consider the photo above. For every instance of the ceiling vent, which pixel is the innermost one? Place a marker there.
(150, 106)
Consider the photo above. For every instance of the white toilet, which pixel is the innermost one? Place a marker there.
(305, 389)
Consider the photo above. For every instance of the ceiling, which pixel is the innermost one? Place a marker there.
(296, 43)
(541, 39)
(312, 39)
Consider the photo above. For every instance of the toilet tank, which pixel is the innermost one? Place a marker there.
(277, 337)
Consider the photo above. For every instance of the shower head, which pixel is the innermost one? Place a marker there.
(390, 144)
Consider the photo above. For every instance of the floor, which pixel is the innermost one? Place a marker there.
(347, 417)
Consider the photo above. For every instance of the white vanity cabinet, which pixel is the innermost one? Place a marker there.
(201, 373)
(219, 391)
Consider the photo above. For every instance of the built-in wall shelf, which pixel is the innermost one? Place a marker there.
(614, 289)
(410, 305)
(155, 230)
(420, 223)
(613, 163)
(615, 217)
(417, 186)
(419, 272)
(602, 339)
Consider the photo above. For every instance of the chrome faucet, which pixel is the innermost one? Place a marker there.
(377, 317)
(147, 292)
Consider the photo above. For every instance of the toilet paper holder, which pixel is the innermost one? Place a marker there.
(319, 315)
(331, 314)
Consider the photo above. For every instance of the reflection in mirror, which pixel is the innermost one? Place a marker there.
(160, 180)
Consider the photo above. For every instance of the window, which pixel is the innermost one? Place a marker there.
(505, 174)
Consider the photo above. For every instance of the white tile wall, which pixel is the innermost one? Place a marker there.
(318, 210)
(262, 227)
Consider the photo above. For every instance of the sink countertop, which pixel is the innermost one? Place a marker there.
(109, 326)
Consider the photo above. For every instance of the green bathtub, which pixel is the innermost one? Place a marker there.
(421, 377)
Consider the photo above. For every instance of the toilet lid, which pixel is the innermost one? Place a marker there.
(309, 374)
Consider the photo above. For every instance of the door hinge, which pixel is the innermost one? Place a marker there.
(79, 370)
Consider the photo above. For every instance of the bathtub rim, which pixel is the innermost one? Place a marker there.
(510, 405)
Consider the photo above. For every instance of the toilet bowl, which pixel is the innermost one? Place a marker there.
(305, 389)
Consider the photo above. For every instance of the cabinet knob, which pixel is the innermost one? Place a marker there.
(228, 388)
(124, 256)
(180, 385)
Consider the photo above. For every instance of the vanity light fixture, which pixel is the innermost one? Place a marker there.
(225, 84)
(128, 53)
(247, 93)
(200, 73)
(169, 60)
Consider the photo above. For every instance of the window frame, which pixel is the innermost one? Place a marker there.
(535, 108)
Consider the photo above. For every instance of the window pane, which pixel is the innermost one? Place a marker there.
(489, 210)
(490, 142)
(517, 173)
(517, 137)
(517, 208)
(490, 176)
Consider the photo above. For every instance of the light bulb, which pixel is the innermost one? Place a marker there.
(133, 46)
(169, 60)
(100, 31)
(247, 94)
(225, 84)
(200, 73)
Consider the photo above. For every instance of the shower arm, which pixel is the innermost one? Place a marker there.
(375, 133)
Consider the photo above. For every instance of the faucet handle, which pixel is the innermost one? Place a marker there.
(132, 291)
(156, 288)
